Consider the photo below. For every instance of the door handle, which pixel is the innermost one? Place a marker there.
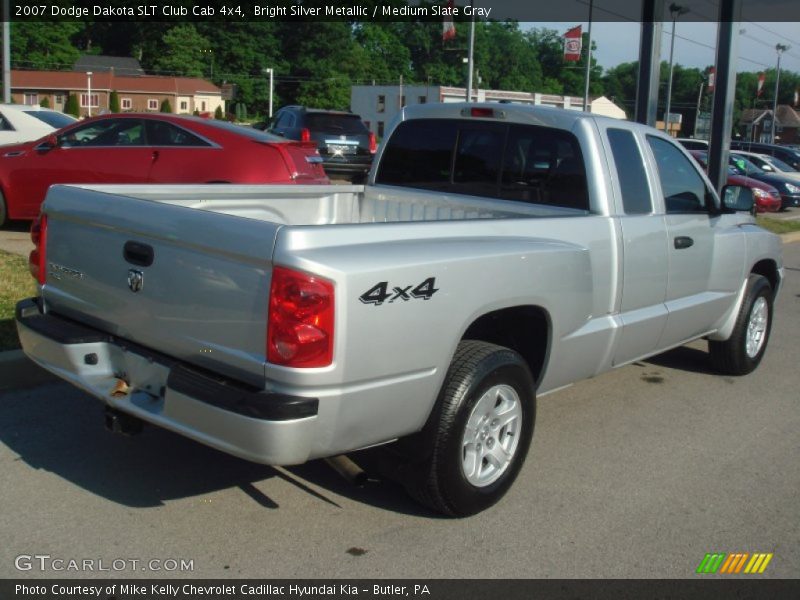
(682, 242)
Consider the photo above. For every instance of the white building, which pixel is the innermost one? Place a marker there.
(379, 104)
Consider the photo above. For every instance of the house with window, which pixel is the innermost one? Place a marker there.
(136, 93)
(755, 125)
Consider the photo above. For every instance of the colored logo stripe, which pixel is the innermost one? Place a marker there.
(734, 563)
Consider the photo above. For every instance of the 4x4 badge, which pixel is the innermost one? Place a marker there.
(135, 280)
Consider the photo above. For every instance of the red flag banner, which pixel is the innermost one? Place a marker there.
(712, 78)
(796, 96)
(761, 78)
(572, 44)
(448, 28)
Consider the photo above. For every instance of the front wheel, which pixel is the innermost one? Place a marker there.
(743, 351)
(3, 210)
(484, 423)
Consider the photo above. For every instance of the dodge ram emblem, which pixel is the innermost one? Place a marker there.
(135, 280)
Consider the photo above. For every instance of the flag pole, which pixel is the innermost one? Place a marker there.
(586, 106)
(471, 54)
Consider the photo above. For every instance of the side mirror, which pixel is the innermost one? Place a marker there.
(47, 143)
(738, 198)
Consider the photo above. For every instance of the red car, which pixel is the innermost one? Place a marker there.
(767, 197)
(149, 148)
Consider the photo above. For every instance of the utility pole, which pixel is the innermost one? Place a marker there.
(780, 49)
(88, 93)
(676, 10)
(586, 106)
(6, 54)
(471, 54)
(270, 71)
(699, 98)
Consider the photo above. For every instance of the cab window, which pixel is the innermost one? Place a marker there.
(683, 188)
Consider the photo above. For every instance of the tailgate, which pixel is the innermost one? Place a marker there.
(192, 284)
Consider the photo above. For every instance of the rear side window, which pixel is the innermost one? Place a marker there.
(683, 187)
(500, 160)
(160, 133)
(630, 172)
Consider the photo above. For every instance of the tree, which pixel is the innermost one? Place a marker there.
(218, 113)
(182, 52)
(113, 102)
(44, 47)
(166, 107)
(71, 106)
(45, 103)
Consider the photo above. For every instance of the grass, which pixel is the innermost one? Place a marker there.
(778, 226)
(16, 284)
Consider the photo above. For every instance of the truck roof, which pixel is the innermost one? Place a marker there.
(516, 113)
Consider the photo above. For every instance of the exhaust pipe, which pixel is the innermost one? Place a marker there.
(347, 469)
(120, 422)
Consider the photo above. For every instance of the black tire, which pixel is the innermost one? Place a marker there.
(3, 211)
(440, 480)
(733, 357)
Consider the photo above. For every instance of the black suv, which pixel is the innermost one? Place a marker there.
(344, 142)
(790, 156)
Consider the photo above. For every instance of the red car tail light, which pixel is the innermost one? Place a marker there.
(305, 135)
(300, 323)
(373, 143)
(37, 260)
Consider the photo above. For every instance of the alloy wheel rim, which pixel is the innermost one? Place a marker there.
(757, 327)
(491, 436)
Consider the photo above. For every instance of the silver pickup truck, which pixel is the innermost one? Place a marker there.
(497, 252)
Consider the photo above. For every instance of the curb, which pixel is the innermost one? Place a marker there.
(790, 238)
(17, 371)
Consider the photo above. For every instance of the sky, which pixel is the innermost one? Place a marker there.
(695, 43)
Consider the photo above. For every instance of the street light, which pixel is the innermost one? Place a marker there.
(676, 10)
(780, 49)
(270, 71)
(211, 61)
(89, 93)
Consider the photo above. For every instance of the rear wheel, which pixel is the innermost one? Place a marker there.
(3, 210)
(483, 429)
(743, 351)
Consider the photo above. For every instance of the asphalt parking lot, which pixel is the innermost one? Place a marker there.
(635, 474)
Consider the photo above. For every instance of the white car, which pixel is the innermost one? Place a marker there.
(22, 123)
(770, 164)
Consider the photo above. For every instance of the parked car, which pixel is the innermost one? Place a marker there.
(22, 123)
(766, 196)
(498, 252)
(149, 148)
(770, 164)
(790, 156)
(788, 187)
(693, 144)
(343, 140)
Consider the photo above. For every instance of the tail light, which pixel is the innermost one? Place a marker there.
(301, 319)
(373, 143)
(37, 260)
(305, 135)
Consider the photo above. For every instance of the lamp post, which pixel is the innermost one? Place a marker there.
(270, 72)
(88, 93)
(780, 49)
(676, 10)
(210, 61)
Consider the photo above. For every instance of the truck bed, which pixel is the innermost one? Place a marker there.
(331, 205)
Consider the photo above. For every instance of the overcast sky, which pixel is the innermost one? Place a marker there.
(694, 43)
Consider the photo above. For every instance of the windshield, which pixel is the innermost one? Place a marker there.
(744, 166)
(55, 119)
(780, 165)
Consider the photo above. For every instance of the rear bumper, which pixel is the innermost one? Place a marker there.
(268, 428)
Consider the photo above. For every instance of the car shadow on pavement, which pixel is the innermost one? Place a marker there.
(55, 428)
(684, 358)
